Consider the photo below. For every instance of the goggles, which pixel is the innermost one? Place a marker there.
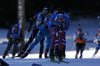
(45, 11)
(60, 18)
(16, 27)
(79, 32)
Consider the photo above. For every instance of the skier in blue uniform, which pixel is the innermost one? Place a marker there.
(43, 31)
(35, 32)
(58, 23)
(97, 40)
(14, 35)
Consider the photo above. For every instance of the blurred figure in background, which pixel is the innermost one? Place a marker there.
(97, 40)
(80, 39)
(41, 15)
(14, 36)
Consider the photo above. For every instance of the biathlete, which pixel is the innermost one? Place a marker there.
(80, 39)
(43, 31)
(97, 40)
(35, 32)
(14, 36)
(58, 24)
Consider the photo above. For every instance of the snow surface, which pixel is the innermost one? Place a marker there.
(88, 25)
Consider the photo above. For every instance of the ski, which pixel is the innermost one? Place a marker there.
(55, 61)
(60, 61)
(65, 62)
(15, 57)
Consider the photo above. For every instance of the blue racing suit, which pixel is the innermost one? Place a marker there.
(43, 31)
(59, 28)
(53, 17)
(97, 40)
(54, 21)
(14, 39)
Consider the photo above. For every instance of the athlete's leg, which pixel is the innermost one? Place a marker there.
(41, 47)
(96, 50)
(7, 49)
(48, 36)
(38, 38)
(52, 44)
(81, 50)
(77, 50)
(33, 35)
(60, 45)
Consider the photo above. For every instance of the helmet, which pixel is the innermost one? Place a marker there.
(16, 25)
(80, 29)
(60, 15)
(45, 8)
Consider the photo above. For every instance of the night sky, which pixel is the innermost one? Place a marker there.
(8, 8)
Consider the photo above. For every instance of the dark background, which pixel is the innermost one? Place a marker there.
(8, 9)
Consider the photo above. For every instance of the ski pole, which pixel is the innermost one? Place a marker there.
(73, 46)
(27, 36)
(89, 44)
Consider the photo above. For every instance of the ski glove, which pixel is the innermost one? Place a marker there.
(46, 27)
(29, 30)
(59, 27)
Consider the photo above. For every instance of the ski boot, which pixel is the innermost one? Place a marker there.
(52, 58)
(63, 53)
(4, 55)
(40, 55)
(76, 55)
(23, 56)
(20, 54)
(46, 55)
(56, 53)
(60, 59)
(52, 55)
(81, 57)
(60, 55)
